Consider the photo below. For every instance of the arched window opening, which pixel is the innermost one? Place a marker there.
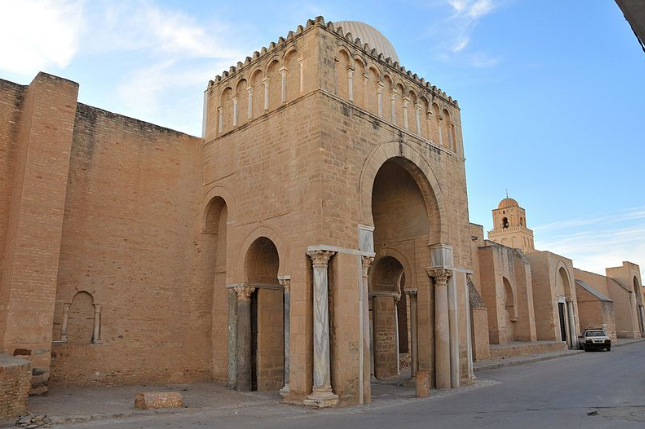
(83, 320)
(505, 223)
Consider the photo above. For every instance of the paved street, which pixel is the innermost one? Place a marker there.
(593, 390)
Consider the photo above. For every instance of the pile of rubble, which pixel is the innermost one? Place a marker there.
(33, 422)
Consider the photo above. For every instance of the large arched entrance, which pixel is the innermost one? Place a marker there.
(568, 331)
(401, 235)
(261, 326)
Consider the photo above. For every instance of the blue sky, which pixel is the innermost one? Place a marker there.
(552, 91)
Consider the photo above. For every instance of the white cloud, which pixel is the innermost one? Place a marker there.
(598, 242)
(144, 26)
(145, 93)
(466, 15)
(37, 34)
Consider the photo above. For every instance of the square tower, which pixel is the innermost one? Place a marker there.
(337, 178)
(509, 226)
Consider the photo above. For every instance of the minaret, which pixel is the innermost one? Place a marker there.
(509, 226)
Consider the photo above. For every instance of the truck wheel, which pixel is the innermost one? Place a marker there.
(608, 348)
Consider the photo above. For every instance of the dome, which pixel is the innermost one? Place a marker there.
(369, 35)
(507, 203)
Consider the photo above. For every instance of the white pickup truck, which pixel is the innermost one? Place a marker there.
(594, 339)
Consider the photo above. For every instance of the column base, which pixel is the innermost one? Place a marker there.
(321, 399)
(285, 391)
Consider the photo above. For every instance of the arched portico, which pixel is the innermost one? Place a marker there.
(406, 211)
(419, 169)
(566, 309)
(260, 320)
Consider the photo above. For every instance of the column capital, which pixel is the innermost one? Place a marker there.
(412, 292)
(320, 258)
(440, 275)
(244, 291)
(285, 282)
(249, 89)
(97, 308)
(265, 80)
(367, 260)
(282, 69)
(568, 299)
(66, 306)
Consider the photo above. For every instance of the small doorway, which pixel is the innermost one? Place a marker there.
(563, 325)
(254, 341)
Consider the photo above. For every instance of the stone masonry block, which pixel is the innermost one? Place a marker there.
(156, 400)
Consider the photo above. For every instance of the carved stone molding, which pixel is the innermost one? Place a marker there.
(244, 292)
(440, 275)
(320, 258)
(366, 263)
(285, 282)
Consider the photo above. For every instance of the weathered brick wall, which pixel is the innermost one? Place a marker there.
(15, 381)
(594, 313)
(34, 222)
(623, 305)
(132, 218)
(11, 96)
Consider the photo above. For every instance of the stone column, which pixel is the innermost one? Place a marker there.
(232, 339)
(322, 394)
(96, 336)
(406, 122)
(572, 324)
(283, 91)
(265, 81)
(249, 113)
(350, 80)
(301, 63)
(453, 320)
(469, 332)
(244, 358)
(220, 120)
(285, 282)
(366, 102)
(440, 132)
(417, 117)
(365, 392)
(379, 96)
(63, 328)
(235, 112)
(414, 349)
(396, 333)
(393, 106)
(441, 326)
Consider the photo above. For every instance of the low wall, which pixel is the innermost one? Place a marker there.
(15, 380)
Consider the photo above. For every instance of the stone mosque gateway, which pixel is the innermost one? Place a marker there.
(315, 237)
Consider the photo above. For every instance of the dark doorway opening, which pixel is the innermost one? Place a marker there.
(254, 341)
(563, 326)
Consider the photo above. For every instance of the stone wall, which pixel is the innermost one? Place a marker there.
(15, 382)
(129, 242)
(507, 291)
(42, 137)
(624, 306)
(595, 313)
